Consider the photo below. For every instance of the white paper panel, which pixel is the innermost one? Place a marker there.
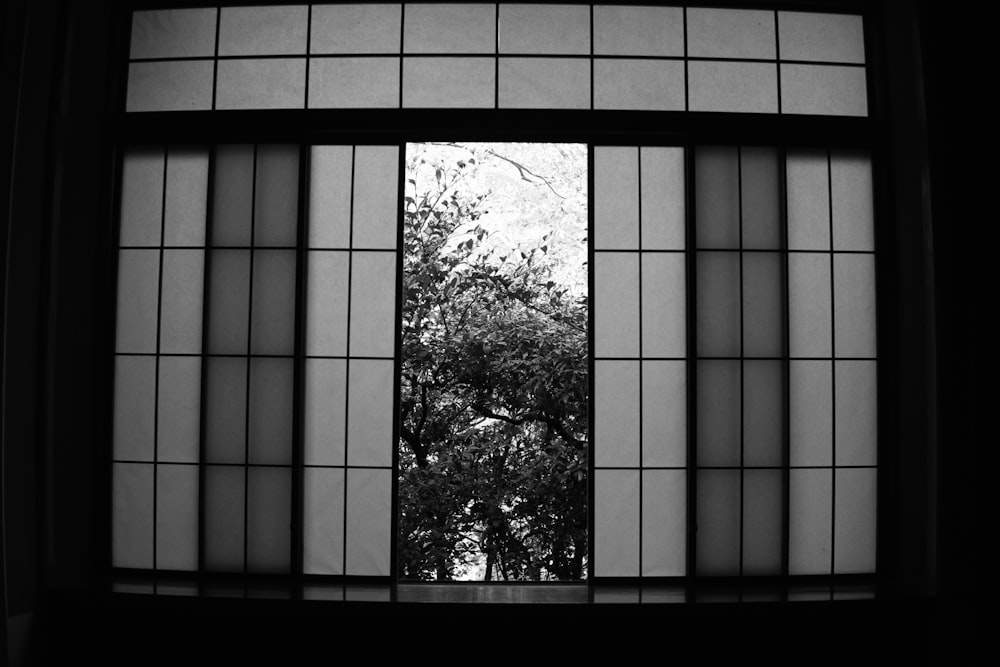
(854, 532)
(323, 521)
(355, 29)
(809, 307)
(616, 523)
(718, 297)
(544, 83)
(142, 197)
(808, 196)
(544, 29)
(854, 305)
(821, 37)
(262, 31)
(325, 409)
(763, 305)
(271, 389)
(132, 516)
(177, 517)
(718, 541)
(664, 413)
(229, 302)
(638, 31)
(261, 84)
(616, 418)
(763, 413)
(330, 197)
(616, 198)
(179, 423)
(439, 83)
(853, 202)
(616, 304)
(184, 85)
(186, 197)
(135, 387)
(232, 205)
(225, 409)
(273, 328)
(376, 197)
(730, 33)
(652, 85)
(664, 523)
(664, 322)
(717, 197)
(138, 285)
(326, 303)
(856, 422)
(663, 198)
(445, 28)
(373, 304)
(173, 33)
(369, 412)
(718, 413)
(763, 519)
(224, 518)
(761, 194)
(183, 289)
(276, 195)
(369, 516)
(810, 403)
(269, 519)
(824, 90)
(733, 86)
(809, 521)
(353, 83)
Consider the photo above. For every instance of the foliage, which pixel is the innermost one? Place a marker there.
(493, 451)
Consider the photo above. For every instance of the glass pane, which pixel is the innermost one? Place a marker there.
(663, 182)
(730, 33)
(179, 423)
(853, 205)
(138, 285)
(449, 28)
(808, 196)
(733, 86)
(664, 523)
(181, 312)
(135, 390)
(232, 210)
(186, 197)
(355, 29)
(856, 422)
(449, 82)
(639, 84)
(369, 412)
(718, 413)
(616, 304)
(229, 302)
(323, 521)
(809, 521)
(177, 517)
(544, 83)
(224, 518)
(664, 413)
(821, 37)
(718, 545)
(809, 328)
(273, 302)
(326, 298)
(616, 422)
(142, 197)
(763, 413)
(854, 305)
(373, 304)
(638, 31)
(616, 523)
(376, 197)
(173, 33)
(824, 90)
(616, 198)
(353, 83)
(717, 197)
(718, 304)
(664, 321)
(855, 536)
(369, 515)
(544, 29)
(269, 520)
(810, 403)
(330, 197)
(763, 305)
(276, 196)
(132, 512)
(763, 520)
(271, 389)
(225, 410)
(325, 409)
(255, 31)
(261, 84)
(184, 85)
(761, 195)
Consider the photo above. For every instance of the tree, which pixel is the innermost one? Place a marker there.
(493, 410)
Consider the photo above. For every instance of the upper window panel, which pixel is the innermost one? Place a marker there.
(506, 55)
